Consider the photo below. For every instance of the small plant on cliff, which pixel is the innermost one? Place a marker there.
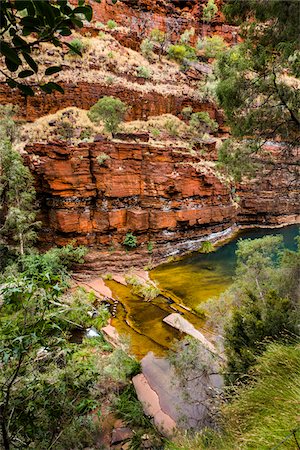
(147, 48)
(143, 72)
(201, 122)
(209, 11)
(181, 52)
(186, 36)
(187, 112)
(111, 24)
(130, 241)
(102, 158)
(206, 247)
(212, 46)
(77, 47)
(150, 247)
(110, 110)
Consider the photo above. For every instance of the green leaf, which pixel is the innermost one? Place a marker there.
(12, 83)
(25, 73)
(53, 69)
(10, 53)
(87, 11)
(27, 90)
(49, 87)
(12, 67)
(31, 62)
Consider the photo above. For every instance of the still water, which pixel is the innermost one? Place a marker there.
(184, 283)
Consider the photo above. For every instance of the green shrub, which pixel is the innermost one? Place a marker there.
(111, 24)
(143, 72)
(146, 290)
(180, 52)
(150, 247)
(209, 11)
(262, 414)
(155, 132)
(187, 112)
(130, 409)
(157, 35)
(186, 36)
(172, 127)
(212, 46)
(77, 45)
(130, 241)
(206, 247)
(147, 48)
(110, 80)
(201, 122)
(102, 158)
(110, 110)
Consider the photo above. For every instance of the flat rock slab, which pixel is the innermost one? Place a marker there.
(162, 396)
(112, 335)
(120, 435)
(98, 286)
(119, 279)
(151, 405)
(175, 320)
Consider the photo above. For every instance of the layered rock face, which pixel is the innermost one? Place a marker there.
(98, 192)
(157, 193)
(84, 95)
(172, 16)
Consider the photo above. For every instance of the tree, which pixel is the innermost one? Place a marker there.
(26, 24)
(259, 78)
(266, 306)
(111, 111)
(17, 195)
(47, 384)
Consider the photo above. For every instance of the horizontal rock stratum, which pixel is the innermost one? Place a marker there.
(161, 194)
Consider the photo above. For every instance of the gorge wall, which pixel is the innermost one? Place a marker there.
(163, 195)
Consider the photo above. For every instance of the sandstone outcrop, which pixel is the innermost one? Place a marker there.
(84, 95)
(158, 193)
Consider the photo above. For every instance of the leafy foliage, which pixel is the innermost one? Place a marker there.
(267, 302)
(76, 47)
(209, 11)
(25, 26)
(212, 46)
(130, 241)
(46, 382)
(181, 52)
(109, 109)
(201, 122)
(259, 78)
(18, 212)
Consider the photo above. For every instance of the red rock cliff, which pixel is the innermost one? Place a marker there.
(160, 194)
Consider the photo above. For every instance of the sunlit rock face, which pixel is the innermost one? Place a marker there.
(157, 193)
(151, 191)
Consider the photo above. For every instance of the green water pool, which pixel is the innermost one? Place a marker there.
(184, 283)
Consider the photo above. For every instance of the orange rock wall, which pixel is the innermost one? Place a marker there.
(157, 193)
(153, 192)
(84, 95)
(141, 16)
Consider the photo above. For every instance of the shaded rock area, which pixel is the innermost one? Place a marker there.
(164, 400)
